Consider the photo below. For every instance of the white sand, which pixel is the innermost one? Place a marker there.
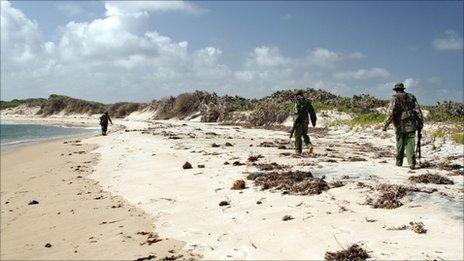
(146, 170)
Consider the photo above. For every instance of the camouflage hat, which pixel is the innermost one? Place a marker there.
(398, 86)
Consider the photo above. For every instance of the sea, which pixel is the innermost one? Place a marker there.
(13, 134)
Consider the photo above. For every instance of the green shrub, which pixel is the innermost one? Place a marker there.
(33, 102)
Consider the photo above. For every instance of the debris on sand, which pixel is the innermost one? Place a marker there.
(172, 257)
(238, 184)
(149, 257)
(48, 245)
(370, 220)
(354, 252)
(355, 158)
(238, 163)
(214, 145)
(403, 227)
(187, 165)
(255, 158)
(226, 163)
(287, 217)
(418, 227)
(390, 195)
(271, 166)
(33, 202)
(267, 144)
(337, 184)
(442, 166)
(330, 161)
(228, 144)
(457, 173)
(431, 178)
(151, 238)
(201, 166)
(384, 154)
(282, 147)
(286, 154)
(290, 182)
(224, 203)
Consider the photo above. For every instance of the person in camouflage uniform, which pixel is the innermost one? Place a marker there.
(303, 110)
(104, 122)
(406, 115)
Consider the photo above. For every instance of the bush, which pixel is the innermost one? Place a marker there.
(57, 104)
(269, 113)
(447, 111)
(123, 109)
(33, 102)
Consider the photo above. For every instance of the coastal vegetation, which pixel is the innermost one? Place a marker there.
(270, 110)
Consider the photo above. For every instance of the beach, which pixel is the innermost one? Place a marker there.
(51, 210)
(139, 166)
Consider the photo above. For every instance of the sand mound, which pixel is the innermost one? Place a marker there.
(430, 178)
(354, 252)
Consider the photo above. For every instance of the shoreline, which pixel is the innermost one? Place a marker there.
(5, 148)
(73, 213)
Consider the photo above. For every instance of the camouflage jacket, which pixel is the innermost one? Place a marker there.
(104, 119)
(405, 113)
(302, 110)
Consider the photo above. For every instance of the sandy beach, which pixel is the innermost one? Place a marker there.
(138, 169)
(51, 210)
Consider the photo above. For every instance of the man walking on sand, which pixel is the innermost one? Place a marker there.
(407, 118)
(303, 110)
(104, 122)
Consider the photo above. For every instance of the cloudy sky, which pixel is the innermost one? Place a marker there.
(139, 51)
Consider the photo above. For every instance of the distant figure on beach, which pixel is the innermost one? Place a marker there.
(407, 118)
(303, 110)
(104, 122)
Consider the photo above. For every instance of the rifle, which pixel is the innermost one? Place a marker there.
(418, 147)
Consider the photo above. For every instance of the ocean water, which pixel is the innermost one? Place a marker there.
(16, 134)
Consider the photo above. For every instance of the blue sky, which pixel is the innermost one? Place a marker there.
(138, 51)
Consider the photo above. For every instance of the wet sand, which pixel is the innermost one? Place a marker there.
(73, 218)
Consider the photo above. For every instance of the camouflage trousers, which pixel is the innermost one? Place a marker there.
(301, 131)
(104, 128)
(405, 140)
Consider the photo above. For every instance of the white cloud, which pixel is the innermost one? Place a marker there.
(70, 9)
(143, 8)
(363, 74)
(410, 83)
(118, 57)
(356, 55)
(267, 56)
(450, 41)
